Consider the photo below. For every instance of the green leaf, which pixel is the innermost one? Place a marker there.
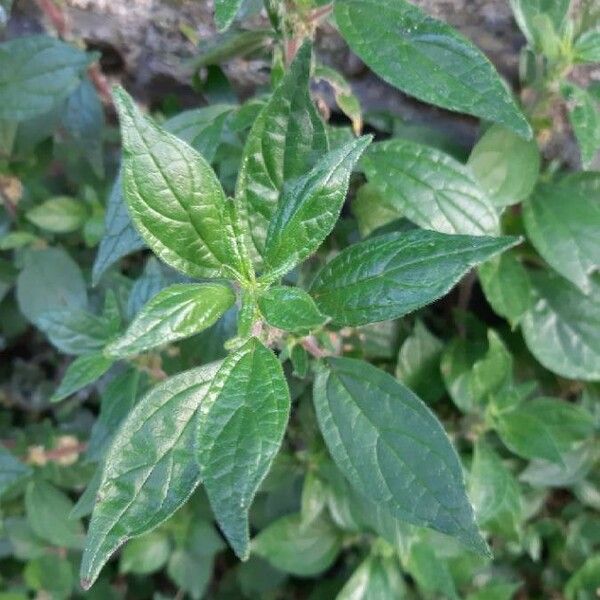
(50, 280)
(506, 286)
(225, 11)
(505, 165)
(285, 142)
(120, 237)
(430, 188)
(430, 571)
(587, 46)
(81, 372)
(309, 208)
(290, 309)
(202, 128)
(427, 59)
(418, 365)
(12, 471)
(38, 72)
(150, 469)
(584, 583)
(495, 493)
(240, 428)
(527, 13)
(584, 116)
(370, 209)
(303, 550)
(495, 591)
(48, 511)
(58, 215)
(375, 578)
(393, 449)
(51, 575)
(544, 428)
(175, 199)
(176, 312)
(146, 554)
(561, 328)
(391, 275)
(562, 222)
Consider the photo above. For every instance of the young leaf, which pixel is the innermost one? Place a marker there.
(290, 309)
(376, 577)
(303, 550)
(58, 215)
(584, 115)
(430, 571)
(429, 187)
(495, 493)
(176, 200)
(176, 312)
(528, 12)
(38, 72)
(418, 365)
(427, 59)
(225, 11)
(145, 554)
(393, 449)
(505, 165)
(391, 275)
(48, 511)
(120, 237)
(506, 286)
(50, 281)
(12, 471)
(544, 428)
(81, 372)
(561, 328)
(240, 428)
(309, 208)
(285, 142)
(150, 469)
(587, 46)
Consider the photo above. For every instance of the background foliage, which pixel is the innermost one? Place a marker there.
(92, 322)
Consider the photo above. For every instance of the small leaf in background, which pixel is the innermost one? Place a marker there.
(191, 565)
(145, 554)
(174, 313)
(544, 428)
(587, 46)
(584, 115)
(528, 12)
(393, 449)
(12, 471)
(491, 373)
(120, 237)
(584, 583)
(58, 215)
(562, 221)
(376, 577)
(430, 571)
(303, 550)
(401, 43)
(495, 591)
(429, 187)
(241, 421)
(286, 140)
(47, 510)
(202, 128)
(225, 11)
(505, 165)
(51, 576)
(418, 365)
(495, 494)
(83, 120)
(506, 286)
(50, 280)
(561, 327)
(309, 208)
(81, 372)
(290, 309)
(314, 498)
(175, 198)
(38, 72)
(370, 209)
(150, 468)
(391, 275)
